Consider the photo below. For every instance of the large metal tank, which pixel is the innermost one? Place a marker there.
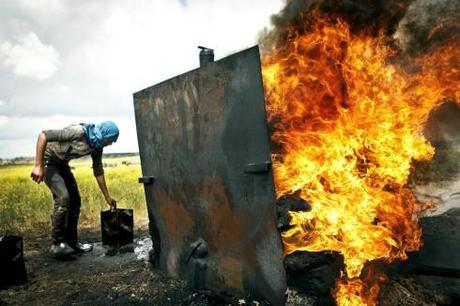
(205, 156)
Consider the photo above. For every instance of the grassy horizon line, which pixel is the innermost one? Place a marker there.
(31, 158)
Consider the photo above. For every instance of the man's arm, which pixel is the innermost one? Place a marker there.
(66, 134)
(38, 171)
(102, 185)
(98, 171)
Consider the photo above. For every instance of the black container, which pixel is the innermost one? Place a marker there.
(12, 268)
(117, 227)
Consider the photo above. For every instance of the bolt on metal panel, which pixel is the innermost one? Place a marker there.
(205, 158)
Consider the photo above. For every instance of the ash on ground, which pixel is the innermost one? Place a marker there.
(104, 276)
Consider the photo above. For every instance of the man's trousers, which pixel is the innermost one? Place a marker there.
(67, 202)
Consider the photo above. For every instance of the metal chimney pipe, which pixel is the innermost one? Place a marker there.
(206, 56)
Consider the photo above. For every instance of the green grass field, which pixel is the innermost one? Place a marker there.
(27, 206)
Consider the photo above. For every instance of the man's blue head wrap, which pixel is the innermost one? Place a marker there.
(96, 134)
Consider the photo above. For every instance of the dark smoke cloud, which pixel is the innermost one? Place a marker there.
(426, 23)
(289, 16)
(414, 25)
(444, 125)
(371, 16)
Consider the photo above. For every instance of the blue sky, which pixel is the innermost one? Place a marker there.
(64, 61)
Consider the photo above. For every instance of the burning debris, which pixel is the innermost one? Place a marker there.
(349, 87)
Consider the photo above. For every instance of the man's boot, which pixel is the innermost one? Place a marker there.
(82, 247)
(61, 250)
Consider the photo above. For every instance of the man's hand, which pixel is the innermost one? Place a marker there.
(37, 173)
(112, 202)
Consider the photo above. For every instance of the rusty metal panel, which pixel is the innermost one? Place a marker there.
(203, 138)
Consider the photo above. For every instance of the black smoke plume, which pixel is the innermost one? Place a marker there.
(413, 26)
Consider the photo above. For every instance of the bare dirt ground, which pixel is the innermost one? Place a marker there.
(104, 277)
(97, 278)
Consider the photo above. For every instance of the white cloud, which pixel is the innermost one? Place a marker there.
(108, 50)
(2, 102)
(29, 57)
(142, 43)
(3, 121)
(41, 7)
(18, 147)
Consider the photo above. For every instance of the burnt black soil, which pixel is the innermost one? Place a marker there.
(97, 278)
(126, 277)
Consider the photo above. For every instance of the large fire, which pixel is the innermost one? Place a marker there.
(347, 120)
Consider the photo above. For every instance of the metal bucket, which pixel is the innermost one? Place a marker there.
(117, 227)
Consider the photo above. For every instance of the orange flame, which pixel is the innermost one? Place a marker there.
(348, 124)
(352, 292)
